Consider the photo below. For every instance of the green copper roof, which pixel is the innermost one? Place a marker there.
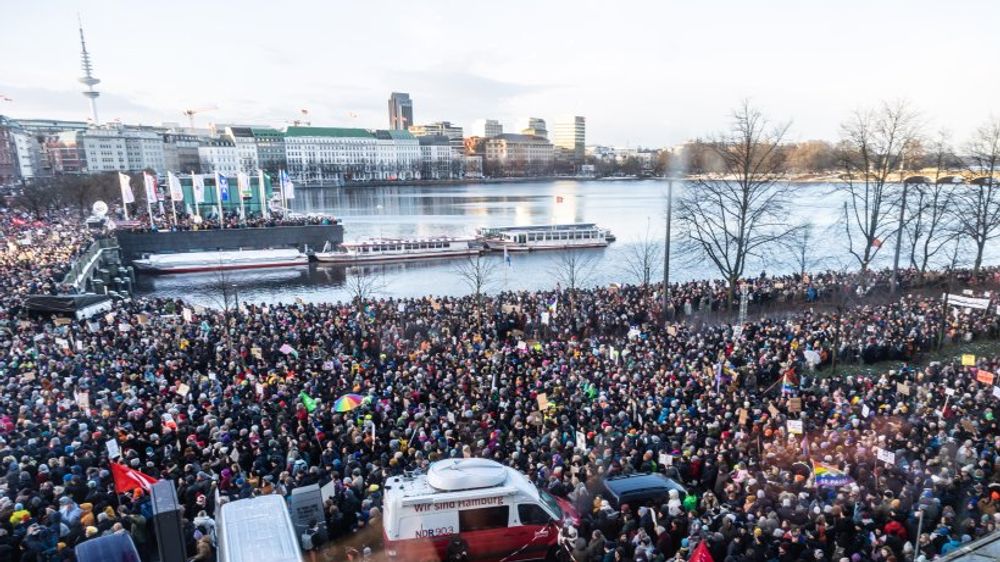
(326, 132)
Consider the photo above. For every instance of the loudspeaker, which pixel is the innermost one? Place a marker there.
(167, 522)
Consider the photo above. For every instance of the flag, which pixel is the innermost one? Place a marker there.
(828, 476)
(287, 187)
(127, 479)
(506, 256)
(223, 183)
(701, 553)
(308, 401)
(288, 350)
(125, 181)
(198, 186)
(174, 185)
(149, 181)
(243, 184)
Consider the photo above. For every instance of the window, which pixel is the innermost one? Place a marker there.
(532, 514)
(483, 519)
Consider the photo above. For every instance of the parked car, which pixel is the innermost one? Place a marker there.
(650, 489)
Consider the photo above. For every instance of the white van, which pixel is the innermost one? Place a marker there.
(492, 511)
(257, 530)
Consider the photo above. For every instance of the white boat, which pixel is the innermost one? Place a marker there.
(383, 250)
(191, 262)
(544, 237)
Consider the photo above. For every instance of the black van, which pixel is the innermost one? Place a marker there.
(649, 489)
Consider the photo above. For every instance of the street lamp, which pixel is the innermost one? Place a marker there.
(666, 249)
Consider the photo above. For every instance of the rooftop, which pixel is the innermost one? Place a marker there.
(327, 132)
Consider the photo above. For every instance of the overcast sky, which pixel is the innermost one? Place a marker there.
(643, 73)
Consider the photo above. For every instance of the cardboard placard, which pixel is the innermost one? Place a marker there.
(743, 416)
(903, 389)
(795, 427)
(968, 360)
(985, 376)
(666, 459)
(774, 411)
(885, 456)
(794, 405)
(187, 315)
(183, 389)
(949, 392)
(543, 401)
(114, 451)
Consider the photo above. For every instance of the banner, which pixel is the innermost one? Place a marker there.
(125, 181)
(174, 185)
(198, 187)
(830, 477)
(962, 301)
(127, 479)
(243, 184)
(222, 183)
(149, 181)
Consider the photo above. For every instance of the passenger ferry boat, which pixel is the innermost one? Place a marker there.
(191, 262)
(545, 237)
(383, 250)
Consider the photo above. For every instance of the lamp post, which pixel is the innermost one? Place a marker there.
(666, 250)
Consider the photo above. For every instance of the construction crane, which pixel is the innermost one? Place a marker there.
(192, 112)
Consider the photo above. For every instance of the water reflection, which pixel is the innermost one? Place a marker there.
(627, 208)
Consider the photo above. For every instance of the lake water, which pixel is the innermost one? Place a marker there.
(629, 209)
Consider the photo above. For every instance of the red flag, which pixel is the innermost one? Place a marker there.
(127, 479)
(701, 553)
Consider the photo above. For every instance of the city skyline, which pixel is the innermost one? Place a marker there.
(639, 74)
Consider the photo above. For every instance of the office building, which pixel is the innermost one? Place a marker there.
(397, 156)
(534, 126)
(569, 136)
(517, 155)
(219, 155)
(116, 148)
(455, 134)
(438, 160)
(10, 172)
(486, 128)
(400, 111)
(180, 152)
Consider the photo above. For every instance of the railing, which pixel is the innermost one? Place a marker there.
(81, 268)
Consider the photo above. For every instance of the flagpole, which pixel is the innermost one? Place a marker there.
(263, 194)
(239, 189)
(195, 195)
(122, 189)
(281, 183)
(149, 204)
(170, 187)
(218, 201)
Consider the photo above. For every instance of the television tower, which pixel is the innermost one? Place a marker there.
(88, 76)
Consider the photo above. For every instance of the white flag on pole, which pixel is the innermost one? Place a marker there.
(174, 183)
(149, 181)
(243, 184)
(198, 186)
(127, 195)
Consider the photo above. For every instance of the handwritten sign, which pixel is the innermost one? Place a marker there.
(903, 389)
(183, 389)
(187, 315)
(885, 456)
(666, 459)
(581, 440)
(968, 359)
(949, 392)
(996, 391)
(743, 416)
(795, 427)
(984, 376)
(543, 401)
(114, 450)
(795, 405)
(774, 411)
(865, 410)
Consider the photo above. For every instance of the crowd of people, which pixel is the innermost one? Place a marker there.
(237, 403)
(184, 220)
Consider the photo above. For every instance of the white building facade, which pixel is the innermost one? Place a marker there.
(219, 155)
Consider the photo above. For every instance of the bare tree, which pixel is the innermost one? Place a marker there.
(37, 197)
(930, 221)
(643, 258)
(799, 245)
(574, 268)
(739, 212)
(363, 285)
(873, 148)
(478, 273)
(979, 202)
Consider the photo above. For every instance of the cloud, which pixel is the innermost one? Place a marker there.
(69, 104)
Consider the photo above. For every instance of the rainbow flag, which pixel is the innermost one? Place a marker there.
(828, 476)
